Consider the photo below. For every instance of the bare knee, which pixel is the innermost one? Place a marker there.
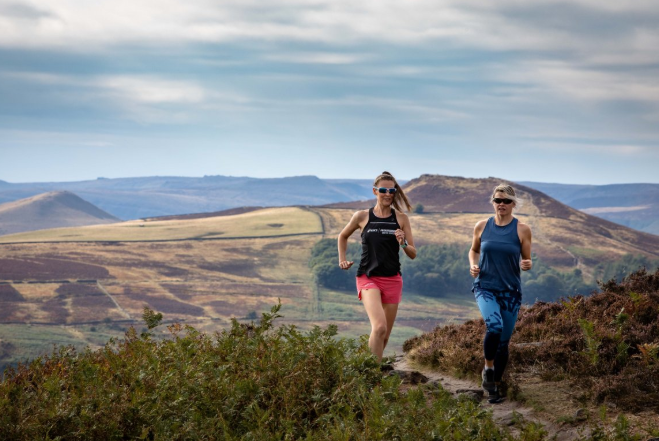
(379, 331)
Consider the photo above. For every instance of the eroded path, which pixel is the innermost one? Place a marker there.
(505, 413)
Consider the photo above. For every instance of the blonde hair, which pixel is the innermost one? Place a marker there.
(509, 191)
(399, 196)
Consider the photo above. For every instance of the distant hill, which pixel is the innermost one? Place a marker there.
(50, 210)
(135, 198)
(563, 236)
(633, 205)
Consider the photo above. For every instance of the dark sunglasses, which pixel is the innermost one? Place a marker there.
(385, 190)
(499, 201)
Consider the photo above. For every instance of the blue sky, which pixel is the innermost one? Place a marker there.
(548, 91)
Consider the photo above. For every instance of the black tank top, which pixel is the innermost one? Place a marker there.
(380, 247)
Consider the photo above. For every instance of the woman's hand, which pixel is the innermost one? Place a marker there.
(400, 236)
(526, 264)
(474, 271)
(345, 264)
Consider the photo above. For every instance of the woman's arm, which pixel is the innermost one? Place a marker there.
(475, 250)
(353, 225)
(405, 234)
(525, 237)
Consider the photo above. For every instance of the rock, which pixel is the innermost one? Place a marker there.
(470, 395)
(410, 377)
(508, 419)
(478, 392)
(387, 367)
(435, 383)
(581, 414)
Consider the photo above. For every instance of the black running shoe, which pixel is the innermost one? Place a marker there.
(488, 380)
(494, 396)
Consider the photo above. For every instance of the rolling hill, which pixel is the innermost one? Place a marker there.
(50, 210)
(563, 236)
(632, 205)
(135, 198)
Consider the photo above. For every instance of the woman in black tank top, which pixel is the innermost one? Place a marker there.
(385, 229)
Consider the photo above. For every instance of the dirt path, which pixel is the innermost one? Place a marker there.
(504, 413)
(122, 310)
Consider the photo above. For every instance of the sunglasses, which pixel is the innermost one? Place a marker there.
(504, 201)
(385, 190)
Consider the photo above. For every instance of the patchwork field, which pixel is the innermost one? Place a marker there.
(82, 293)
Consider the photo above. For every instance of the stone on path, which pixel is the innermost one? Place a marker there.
(410, 377)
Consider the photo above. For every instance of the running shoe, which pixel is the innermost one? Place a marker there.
(494, 396)
(488, 380)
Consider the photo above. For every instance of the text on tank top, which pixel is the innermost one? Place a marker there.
(379, 246)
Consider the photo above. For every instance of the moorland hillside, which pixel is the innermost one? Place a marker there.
(632, 205)
(50, 210)
(564, 238)
(597, 353)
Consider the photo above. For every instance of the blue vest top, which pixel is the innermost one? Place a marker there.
(499, 258)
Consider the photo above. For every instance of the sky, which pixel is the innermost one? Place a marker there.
(542, 90)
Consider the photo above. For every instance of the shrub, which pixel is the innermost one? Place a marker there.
(249, 382)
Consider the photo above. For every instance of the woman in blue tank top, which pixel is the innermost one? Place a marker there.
(385, 230)
(500, 248)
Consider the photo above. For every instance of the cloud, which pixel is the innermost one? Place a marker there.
(582, 82)
(317, 58)
(151, 90)
(546, 25)
(22, 11)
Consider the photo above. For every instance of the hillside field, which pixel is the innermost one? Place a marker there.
(82, 293)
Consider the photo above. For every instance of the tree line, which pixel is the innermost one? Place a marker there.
(440, 270)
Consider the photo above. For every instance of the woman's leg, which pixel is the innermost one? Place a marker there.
(509, 304)
(490, 310)
(380, 330)
(491, 313)
(390, 311)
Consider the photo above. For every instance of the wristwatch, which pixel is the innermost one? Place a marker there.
(404, 244)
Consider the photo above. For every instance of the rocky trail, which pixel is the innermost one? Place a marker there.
(506, 413)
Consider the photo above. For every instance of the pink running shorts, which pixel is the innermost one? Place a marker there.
(391, 288)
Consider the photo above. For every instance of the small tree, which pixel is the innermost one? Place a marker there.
(418, 209)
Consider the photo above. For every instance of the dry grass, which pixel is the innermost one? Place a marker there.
(597, 352)
(266, 222)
